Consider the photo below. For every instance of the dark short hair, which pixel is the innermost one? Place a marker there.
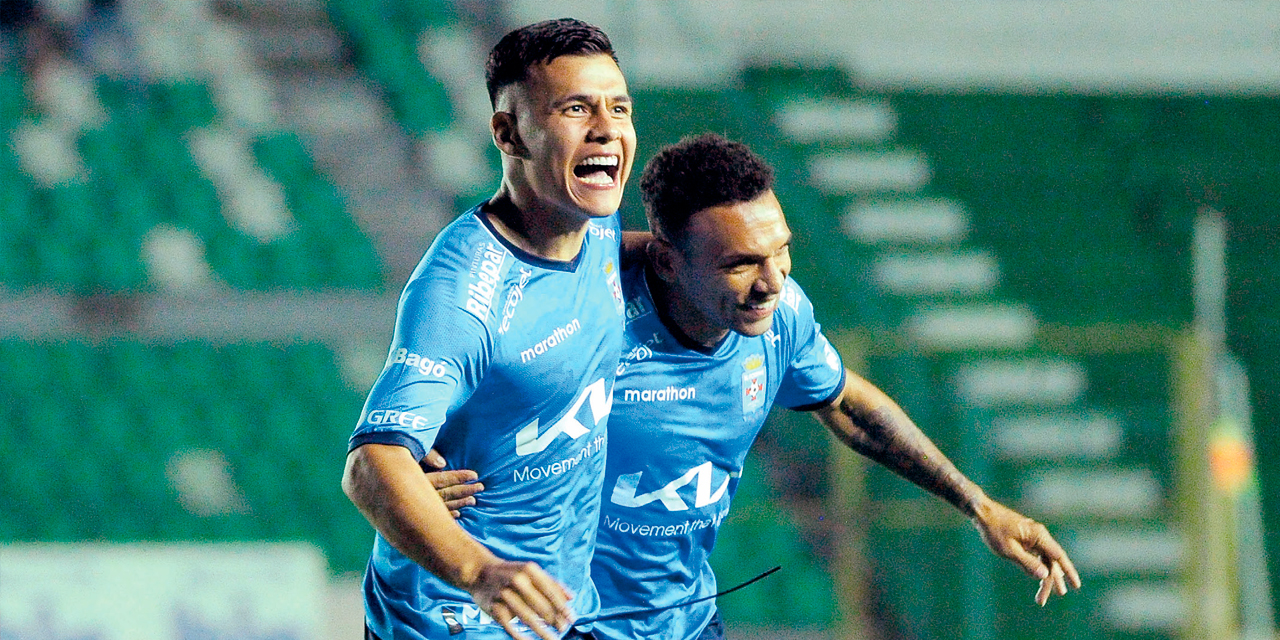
(540, 43)
(697, 173)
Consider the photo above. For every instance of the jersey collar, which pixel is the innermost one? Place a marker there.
(568, 266)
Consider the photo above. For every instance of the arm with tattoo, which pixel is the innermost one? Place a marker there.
(871, 423)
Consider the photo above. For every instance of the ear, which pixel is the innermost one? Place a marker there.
(663, 257)
(506, 136)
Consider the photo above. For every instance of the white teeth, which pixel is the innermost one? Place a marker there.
(603, 161)
(599, 177)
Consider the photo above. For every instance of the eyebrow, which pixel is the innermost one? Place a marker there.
(582, 97)
(743, 258)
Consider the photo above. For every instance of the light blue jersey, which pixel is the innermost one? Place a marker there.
(504, 362)
(683, 421)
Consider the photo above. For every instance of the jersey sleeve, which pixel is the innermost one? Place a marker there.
(815, 374)
(437, 358)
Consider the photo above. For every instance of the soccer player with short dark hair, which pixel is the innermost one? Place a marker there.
(505, 349)
(718, 333)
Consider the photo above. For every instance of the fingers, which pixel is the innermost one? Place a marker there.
(558, 598)
(1058, 580)
(434, 460)
(452, 480)
(1053, 582)
(545, 596)
(1042, 594)
(1033, 565)
(503, 615)
(1044, 545)
(525, 614)
(459, 491)
(1029, 544)
(524, 591)
(457, 488)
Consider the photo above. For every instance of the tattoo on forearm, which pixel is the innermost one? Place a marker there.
(891, 439)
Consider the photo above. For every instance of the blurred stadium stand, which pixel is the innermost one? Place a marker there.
(207, 208)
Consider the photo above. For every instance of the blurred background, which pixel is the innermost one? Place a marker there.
(1046, 228)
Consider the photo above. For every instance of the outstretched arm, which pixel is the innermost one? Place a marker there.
(392, 492)
(871, 423)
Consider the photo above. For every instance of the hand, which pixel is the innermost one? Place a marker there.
(457, 487)
(1027, 543)
(522, 590)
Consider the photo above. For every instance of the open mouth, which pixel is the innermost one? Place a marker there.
(597, 170)
(761, 308)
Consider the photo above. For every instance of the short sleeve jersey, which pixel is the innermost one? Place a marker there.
(683, 421)
(504, 362)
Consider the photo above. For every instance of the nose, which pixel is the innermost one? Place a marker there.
(603, 128)
(772, 275)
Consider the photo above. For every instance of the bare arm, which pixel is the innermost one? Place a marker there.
(871, 423)
(390, 489)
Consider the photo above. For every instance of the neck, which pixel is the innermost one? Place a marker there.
(682, 319)
(543, 231)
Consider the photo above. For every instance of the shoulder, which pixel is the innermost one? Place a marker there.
(459, 275)
(454, 248)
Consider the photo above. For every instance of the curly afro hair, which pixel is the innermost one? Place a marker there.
(540, 43)
(697, 173)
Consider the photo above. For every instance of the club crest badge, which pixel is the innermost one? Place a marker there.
(754, 375)
(615, 285)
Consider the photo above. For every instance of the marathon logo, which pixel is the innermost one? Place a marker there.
(550, 342)
(660, 395)
(485, 279)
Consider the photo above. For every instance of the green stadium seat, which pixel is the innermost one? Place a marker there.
(283, 155)
(116, 263)
(71, 209)
(60, 263)
(106, 152)
(182, 105)
(421, 103)
(133, 205)
(413, 16)
(781, 83)
(13, 99)
(163, 150)
(233, 258)
(17, 217)
(191, 203)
